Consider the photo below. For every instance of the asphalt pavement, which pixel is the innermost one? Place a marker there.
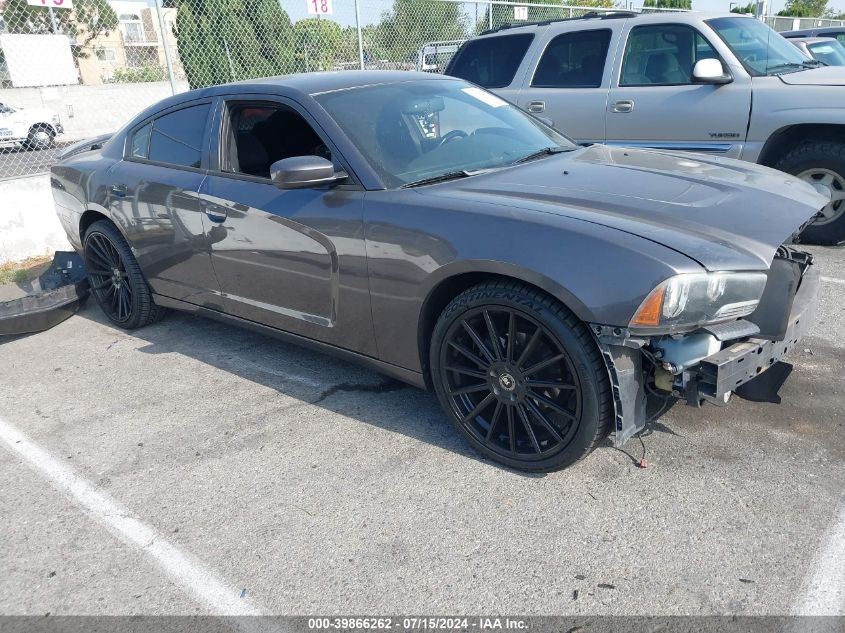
(193, 467)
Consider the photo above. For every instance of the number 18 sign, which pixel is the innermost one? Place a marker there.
(56, 4)
(319, 7)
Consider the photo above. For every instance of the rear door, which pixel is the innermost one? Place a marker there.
(569, 81)
(496, 62)
(154, 197)
(654, 102)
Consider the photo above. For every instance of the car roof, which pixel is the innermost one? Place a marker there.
(657, 17)
(815, 31)
(813, 40)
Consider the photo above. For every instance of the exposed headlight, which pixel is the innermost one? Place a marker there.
(699, 298)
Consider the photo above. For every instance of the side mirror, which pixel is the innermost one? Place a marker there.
(303, 172)
(710, 71)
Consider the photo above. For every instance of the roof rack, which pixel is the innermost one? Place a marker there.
(592, 15)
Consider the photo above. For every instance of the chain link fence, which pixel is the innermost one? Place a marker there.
(84, 67)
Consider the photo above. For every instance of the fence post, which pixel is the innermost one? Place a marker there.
(490, 16)
(360, 37)
(163, 27)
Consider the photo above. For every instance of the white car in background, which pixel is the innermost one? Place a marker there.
(35, 128)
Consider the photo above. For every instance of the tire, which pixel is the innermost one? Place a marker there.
(528, 422)
(823, 163)
(41, 136)
(116, 280)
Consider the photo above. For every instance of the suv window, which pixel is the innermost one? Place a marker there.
(177, 137)
(573, 60)
(491, 61)
(663, 54)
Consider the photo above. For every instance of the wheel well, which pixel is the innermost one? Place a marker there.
(46, 126)
(440, 297)
(788, 138)
(88, 218)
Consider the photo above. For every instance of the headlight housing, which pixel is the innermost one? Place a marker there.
(700, 298)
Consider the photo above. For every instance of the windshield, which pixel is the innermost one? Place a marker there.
(422, 129)
(761, 50)
(831, 53)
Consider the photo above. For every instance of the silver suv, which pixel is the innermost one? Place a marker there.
(723, 84)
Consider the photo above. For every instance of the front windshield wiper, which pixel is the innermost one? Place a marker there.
(779, 68)
(546, 151)
(450, 175)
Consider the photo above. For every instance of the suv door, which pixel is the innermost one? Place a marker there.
(571, 80)
(291, 259)
(154, 197)
(654, 101)
(496, 62)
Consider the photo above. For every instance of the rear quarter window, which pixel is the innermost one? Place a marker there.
(177, 137)
(491, 62)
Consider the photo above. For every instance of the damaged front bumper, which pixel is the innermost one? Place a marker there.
(748, 357)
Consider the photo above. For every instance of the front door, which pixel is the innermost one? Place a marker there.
(654, 102)
(291, 259)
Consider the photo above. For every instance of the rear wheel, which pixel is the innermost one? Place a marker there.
(116, 279)
(821, 163)
(520, 377)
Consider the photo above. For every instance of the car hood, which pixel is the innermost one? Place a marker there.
(822, 76)
(725, 214)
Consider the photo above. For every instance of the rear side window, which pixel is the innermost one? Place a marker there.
(573, 60)
(176, 138)
(141, 142)
(663, 55)
(491, 62)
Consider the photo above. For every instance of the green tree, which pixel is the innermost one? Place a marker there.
(87, 20)
(748, 8)
(411, 23)
(504, 14)
(806, 9)
(668, 4)
(318, 43)
(230, 40)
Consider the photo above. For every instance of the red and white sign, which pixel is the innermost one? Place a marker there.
(315, 7)
(55, 4)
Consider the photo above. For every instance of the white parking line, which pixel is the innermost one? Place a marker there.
(824, 587)
(833, 280)
(200, 582)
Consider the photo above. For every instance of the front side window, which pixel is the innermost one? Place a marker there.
(663, 55)
(415, 130)
(261, 134)
(760, 49)
(491, 62)
(573, 60)
(176, 138)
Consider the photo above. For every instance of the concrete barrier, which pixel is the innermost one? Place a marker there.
(28, 222)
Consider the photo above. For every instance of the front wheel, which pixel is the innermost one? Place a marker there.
(520, 377)
(40, 137)
(116, 279)
(821, 163)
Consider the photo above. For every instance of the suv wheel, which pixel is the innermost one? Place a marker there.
(520, 377)
(821, 163)
(40, 137)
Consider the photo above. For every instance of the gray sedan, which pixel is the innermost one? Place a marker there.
(547, 292)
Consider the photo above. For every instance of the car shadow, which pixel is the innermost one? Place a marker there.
(312, 378)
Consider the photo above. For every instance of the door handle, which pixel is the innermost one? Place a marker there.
(625, 105)
(215, 213)
(536, 106)
(119, 190)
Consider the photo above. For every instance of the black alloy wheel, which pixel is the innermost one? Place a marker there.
(116, 279)
(508, 377)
